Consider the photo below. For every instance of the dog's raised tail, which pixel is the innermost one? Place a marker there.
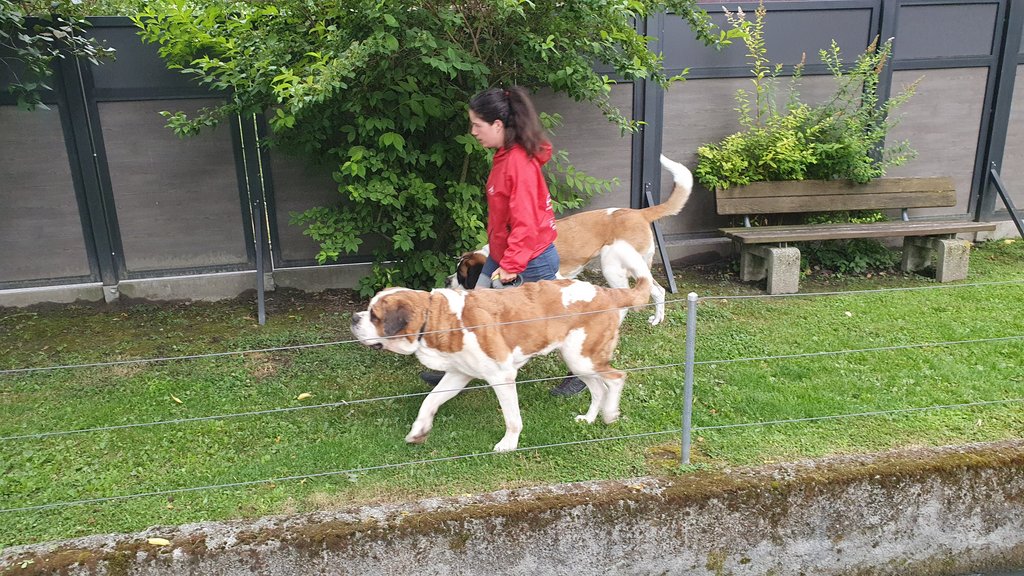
(680, 193)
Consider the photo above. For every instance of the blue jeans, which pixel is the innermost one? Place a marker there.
(544, 266)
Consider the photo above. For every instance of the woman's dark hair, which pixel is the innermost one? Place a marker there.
(515, 110)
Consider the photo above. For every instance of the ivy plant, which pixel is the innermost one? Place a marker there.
(378, 91)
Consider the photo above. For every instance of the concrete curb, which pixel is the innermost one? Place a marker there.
(934, 511)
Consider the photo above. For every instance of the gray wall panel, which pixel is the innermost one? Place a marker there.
(137, 67)
(945, 30)
(696, 112)
(788, 35)
(942, 122)
(40, 229)
(297, 188)
(1011, 169)
(177, 199)
(595, 145)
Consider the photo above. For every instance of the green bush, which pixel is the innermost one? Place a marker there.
(841, 138)
(378, 90)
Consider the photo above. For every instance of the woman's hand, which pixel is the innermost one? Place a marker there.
(504, 276)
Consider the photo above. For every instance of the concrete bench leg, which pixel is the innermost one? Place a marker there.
(952, 256)
(753, 266)
(917, 253)
(780, 265)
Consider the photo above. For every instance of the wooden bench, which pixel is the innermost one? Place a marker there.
(765, 251)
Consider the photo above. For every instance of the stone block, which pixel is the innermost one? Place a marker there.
(917, 253)
(950, 255)
(780, 265)
(783, 270)
(753, 265)
(952, 258)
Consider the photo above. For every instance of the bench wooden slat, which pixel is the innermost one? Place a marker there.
(824, 196)
(805, 233)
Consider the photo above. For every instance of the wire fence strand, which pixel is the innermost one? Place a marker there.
(892, 412)
(303, 346)
(349, 471)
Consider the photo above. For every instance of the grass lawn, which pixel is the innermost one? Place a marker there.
(742, 391)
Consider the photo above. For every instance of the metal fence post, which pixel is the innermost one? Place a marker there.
(691, 336)
(261, 310)
(249, 142)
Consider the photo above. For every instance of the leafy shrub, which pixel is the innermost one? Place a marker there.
(844, 216)
(855, 256)
(379, 90)
(842, 138)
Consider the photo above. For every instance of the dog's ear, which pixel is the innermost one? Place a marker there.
(396, 320)
(469, 270)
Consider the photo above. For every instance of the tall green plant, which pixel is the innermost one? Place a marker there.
(378, 90)
(841, 138)
(32, 35)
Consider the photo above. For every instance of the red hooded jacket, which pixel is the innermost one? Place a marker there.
(520, 221)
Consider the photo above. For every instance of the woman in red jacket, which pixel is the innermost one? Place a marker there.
(520, 222)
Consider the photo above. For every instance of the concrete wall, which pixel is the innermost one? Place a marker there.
(924, 512)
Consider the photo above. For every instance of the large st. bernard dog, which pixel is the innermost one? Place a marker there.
(490, 334)
(619, 238)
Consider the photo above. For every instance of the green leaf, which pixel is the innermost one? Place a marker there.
(392, 139)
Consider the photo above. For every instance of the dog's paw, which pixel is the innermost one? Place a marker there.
(418, 434)
(416, 438)
(655, 319)
(506, 445)
(585, 418)
(610, 418)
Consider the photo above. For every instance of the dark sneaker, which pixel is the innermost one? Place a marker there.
(570, 386)
(431, 377)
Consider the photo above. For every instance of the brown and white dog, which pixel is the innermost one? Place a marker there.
(490, 334)
(619, 238)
